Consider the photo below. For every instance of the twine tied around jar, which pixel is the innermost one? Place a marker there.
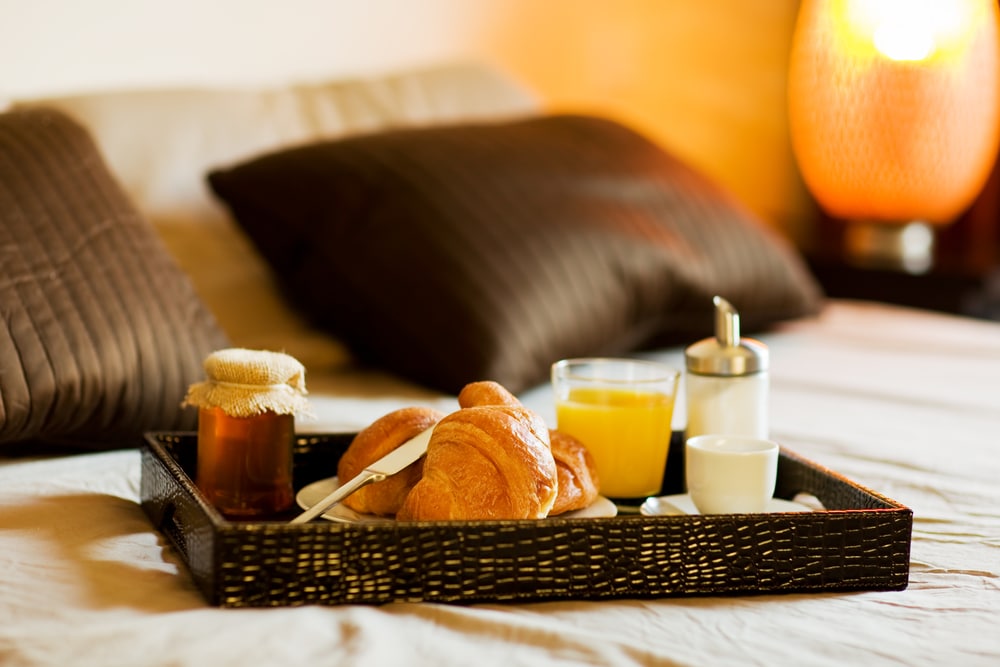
(245, 383)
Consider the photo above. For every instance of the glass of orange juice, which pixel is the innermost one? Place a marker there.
(621, 410)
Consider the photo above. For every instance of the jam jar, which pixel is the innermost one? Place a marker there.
(246, 429)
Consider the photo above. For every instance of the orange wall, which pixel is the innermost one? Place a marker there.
(706, 78)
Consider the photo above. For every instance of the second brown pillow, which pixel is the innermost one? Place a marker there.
(451, 254)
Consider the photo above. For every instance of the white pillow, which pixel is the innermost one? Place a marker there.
(161, 144)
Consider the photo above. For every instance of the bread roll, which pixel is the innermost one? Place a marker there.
(577, 472)
(372, 443)
(485, 462)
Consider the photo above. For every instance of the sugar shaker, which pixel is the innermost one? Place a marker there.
(727, 380)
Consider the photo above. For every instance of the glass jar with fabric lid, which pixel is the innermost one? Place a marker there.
(246, 427)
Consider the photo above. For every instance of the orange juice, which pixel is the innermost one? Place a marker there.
(627, 431)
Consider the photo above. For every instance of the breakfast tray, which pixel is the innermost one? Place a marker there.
(861, 541)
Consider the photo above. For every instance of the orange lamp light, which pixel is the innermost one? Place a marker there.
(894, 111)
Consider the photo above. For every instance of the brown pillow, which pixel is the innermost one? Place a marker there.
(100, 332)
(449, 254)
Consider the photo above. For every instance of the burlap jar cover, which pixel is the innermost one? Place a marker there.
(245, 383)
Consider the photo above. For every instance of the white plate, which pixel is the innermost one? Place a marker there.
(682, 504)
(308, 496)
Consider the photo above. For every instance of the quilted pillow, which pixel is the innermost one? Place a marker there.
(100, 332)
(454, 253)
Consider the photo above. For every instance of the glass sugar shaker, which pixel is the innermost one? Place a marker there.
(246, 429)
(726, 385)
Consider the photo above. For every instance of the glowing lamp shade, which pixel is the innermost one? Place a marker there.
(894, 105)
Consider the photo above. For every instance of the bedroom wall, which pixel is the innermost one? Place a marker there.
(705, 78)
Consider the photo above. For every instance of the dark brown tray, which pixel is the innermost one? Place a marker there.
(860, 542)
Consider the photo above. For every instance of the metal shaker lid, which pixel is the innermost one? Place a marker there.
(726, 354)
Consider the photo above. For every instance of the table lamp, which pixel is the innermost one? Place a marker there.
(894, 113)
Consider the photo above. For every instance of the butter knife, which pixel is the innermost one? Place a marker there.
(388, 465)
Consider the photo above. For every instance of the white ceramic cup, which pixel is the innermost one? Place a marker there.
(730, 474)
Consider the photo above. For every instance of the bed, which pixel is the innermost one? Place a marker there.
(173, 264)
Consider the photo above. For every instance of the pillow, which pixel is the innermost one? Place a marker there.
(160, 141)
(454, 253)
(100, 332)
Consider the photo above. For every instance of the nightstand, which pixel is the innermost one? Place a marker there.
(963, 292)
(965, 277)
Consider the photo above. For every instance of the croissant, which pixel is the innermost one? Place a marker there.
(577, 473)
(486, 392)
(485, 462)
(375, 441)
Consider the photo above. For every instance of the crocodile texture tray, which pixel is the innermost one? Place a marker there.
(861, 541)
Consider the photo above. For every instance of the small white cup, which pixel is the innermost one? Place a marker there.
(730, 474)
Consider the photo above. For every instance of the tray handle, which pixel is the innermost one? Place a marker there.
(171, 526)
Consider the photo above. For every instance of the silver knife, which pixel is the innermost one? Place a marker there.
(390, 464)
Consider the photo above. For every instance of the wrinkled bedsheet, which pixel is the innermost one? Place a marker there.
(904, 402)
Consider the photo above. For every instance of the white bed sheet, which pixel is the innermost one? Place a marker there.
(904, 402)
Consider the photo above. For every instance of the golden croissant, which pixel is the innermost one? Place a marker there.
(485, 462)
(491, 459)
